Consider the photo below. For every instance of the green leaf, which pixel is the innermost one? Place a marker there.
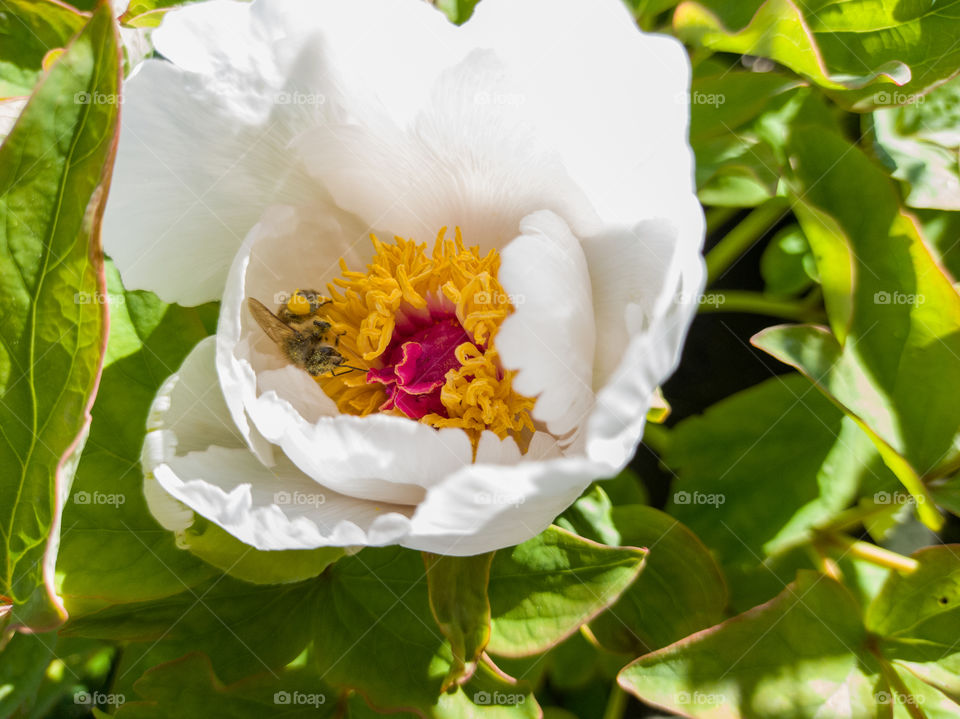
(736, 165)
(190, 689)
(895, 363)
(458, 599)
(918, 617)
(459, 11)
(758, 470)
(489, 695)
(921, 144)
(23, 662)
(919, 604)
(941, 230)
(543, 590)
(245, 629)
(373, 631)
(863, 54)
(787, 264)
(224, 551)
(804, 654)
(28, 31)
(113, 550)
(680, 591)
(591, 516)
(45, 675)
(53, 168)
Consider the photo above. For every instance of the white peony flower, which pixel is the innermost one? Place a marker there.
(493, 383)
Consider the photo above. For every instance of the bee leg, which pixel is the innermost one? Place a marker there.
(346, 370)
(336, 342)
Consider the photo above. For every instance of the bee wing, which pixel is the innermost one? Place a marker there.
(272, 325)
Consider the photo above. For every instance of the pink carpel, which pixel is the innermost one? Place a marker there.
(417, 365)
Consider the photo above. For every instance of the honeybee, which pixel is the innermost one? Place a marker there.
(303, 337)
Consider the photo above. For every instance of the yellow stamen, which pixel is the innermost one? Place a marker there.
(403, 282)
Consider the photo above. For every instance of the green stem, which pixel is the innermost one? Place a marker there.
(760, 304)
(869, 552)
(856, 516)
(719, 216)
(616, 704)
(743, 236)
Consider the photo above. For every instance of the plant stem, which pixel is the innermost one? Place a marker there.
(869, 552)
(616, 704)
(743, 236)
(760, 304)
(719, 216)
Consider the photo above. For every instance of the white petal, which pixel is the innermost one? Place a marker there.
(199, 461)
(550, 336)
(470, 159)
(379, 457)
(633, 271)
(488, 506)
(613, 100)
(10, 109)
(205, 143)
(642, 340)
(192, 176)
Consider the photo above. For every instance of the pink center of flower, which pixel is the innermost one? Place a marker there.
(417, 361)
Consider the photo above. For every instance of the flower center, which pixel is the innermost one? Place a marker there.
(425, 327)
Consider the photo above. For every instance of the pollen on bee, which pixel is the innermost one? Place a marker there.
(299, 304)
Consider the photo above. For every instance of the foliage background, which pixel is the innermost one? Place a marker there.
(781, 545)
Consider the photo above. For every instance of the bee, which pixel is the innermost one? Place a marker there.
(304, 338)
